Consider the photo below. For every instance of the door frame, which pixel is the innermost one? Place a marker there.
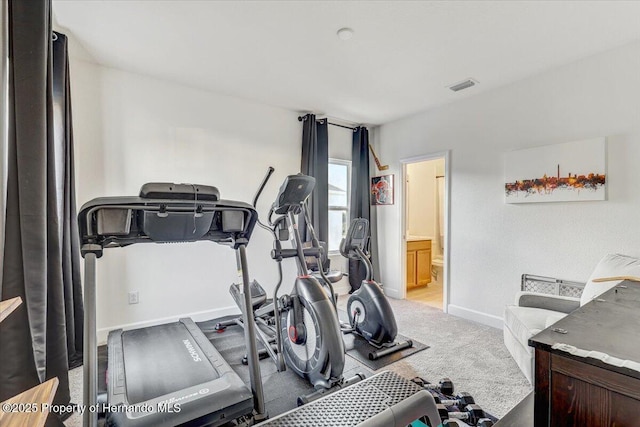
(446, 155)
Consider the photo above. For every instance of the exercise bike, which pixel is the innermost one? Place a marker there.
(370, 315)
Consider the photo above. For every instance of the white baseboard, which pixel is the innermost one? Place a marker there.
(476, 316)
(199, 316)
(392, 293)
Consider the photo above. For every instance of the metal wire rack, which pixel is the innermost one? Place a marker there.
(551, 286)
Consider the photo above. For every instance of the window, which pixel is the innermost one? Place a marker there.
(339, 199)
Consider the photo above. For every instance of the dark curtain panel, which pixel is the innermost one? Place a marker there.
(315, 163)
(360, 203)
(41, 242)
(66, 201)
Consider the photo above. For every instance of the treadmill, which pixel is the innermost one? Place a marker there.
(169, 374)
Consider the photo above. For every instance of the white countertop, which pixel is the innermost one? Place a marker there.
(415, 238)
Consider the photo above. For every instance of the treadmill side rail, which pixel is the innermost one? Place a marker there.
(213, 401)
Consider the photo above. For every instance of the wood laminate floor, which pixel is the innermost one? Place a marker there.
(430, 294)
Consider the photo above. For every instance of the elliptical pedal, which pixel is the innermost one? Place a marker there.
(386, 350)
(308, 398)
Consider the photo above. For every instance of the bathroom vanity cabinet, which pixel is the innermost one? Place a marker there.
(418, 263)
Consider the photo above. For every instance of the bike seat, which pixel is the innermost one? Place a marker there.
(334, 276)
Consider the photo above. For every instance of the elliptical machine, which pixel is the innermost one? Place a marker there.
(309, 328)
(300, 330)
(368, 309)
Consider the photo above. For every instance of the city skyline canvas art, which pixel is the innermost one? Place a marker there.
(572, 171)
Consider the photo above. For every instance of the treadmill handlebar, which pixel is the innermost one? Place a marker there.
(123, 221)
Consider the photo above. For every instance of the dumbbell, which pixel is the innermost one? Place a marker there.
(472, 414)
(454, 423)
(461, 399)
(444, 386)
(483, 422)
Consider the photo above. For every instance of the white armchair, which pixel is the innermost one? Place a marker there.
(543, 301)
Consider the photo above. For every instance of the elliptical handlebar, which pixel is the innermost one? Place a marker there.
(315, 243)
(290, 202)
(264, 183)
(292, 253)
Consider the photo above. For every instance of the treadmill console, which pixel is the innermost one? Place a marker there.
(169, 190)
(166, 213)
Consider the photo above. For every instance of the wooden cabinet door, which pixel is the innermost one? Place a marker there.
(423, 267)
(411, 269)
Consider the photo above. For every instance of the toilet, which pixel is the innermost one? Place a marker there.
(437, 263)
(436, 267)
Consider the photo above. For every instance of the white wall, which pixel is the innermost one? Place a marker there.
(421, 191)
(421, 203)
(130, 129)
(493, 243)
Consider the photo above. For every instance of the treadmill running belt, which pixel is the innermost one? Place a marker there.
(162, 359)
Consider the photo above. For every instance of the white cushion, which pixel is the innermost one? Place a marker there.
(609, 266)
(523, 355)
(525, 322)
(520, 324)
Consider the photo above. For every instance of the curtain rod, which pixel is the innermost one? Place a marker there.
(340, 126)
(301, 118)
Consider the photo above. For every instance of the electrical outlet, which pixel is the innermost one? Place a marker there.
(134, 297)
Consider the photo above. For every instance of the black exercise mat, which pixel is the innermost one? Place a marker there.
(359, 349)
(281, 389)
(231, 346)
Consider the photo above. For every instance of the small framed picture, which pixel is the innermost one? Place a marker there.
(382, 190)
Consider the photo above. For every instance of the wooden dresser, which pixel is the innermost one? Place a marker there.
(584, 391)
(418, 263)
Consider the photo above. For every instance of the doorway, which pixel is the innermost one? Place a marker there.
(425, 230)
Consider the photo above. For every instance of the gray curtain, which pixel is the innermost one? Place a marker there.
(360, 195)
(65, 200)
(315, 163)
(41, 262)
(4, 51)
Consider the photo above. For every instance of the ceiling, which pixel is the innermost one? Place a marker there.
(401, 59)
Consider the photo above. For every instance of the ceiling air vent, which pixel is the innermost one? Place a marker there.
(463, 85)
